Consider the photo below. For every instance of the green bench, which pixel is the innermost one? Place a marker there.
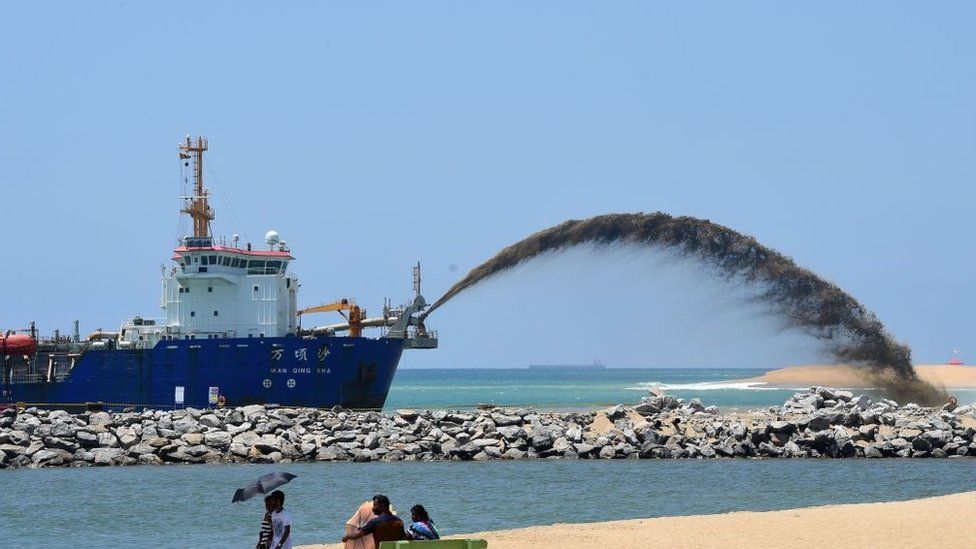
(436, 544)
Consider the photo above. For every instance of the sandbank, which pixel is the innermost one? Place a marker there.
(841, 376)
(944, 521)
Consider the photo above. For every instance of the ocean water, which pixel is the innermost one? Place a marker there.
(190, 505)
(564, 390)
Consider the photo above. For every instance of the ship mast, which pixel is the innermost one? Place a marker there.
(198, 206)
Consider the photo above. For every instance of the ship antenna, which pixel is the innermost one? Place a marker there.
(198, 207)
(416, 279)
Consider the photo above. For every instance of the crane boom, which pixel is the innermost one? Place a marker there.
(341, 305)
(355, 317)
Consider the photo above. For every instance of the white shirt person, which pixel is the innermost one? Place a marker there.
(281, 528)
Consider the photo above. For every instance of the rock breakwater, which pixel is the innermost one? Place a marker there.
(819, 423)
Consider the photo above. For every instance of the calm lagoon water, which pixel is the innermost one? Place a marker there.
(189, 505)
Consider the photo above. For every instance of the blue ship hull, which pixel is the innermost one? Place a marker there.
(320, 372)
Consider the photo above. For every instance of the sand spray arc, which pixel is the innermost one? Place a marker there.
(851, 332)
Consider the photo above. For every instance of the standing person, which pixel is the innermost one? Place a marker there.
(280, 523)
(421, 526)
(265, 535)
(385, 527)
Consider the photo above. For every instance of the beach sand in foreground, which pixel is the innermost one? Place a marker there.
(838, 376)
(944, 521)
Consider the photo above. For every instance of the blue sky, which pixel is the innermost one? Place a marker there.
(841, 134)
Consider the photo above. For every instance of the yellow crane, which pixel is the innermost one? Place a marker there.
(354, 317)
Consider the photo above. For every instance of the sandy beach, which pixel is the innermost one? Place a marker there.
(840, 376)
(931, 522)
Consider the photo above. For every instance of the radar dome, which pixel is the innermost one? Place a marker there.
(271, 238)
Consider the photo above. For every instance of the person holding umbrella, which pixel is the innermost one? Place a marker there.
(274, 503)
(266, 533)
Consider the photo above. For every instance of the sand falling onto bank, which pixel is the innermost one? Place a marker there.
(851, 332)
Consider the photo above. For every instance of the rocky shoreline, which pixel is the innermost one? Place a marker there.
(819, 423)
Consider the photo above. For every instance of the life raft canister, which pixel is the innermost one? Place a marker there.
(18, 344)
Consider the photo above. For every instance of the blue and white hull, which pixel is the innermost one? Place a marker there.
(318, 372)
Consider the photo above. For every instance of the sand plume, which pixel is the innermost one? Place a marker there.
(852, 333)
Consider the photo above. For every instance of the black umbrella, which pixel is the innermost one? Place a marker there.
(262, 485)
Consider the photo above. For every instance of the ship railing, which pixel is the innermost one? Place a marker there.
(25, 377)
(264, 270)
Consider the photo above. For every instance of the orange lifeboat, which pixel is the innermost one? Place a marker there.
(18, 344)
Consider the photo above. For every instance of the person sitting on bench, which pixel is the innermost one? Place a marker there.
(421, 527)
(385, 527)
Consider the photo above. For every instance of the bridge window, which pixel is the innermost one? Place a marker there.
(193, 313)
(213, 260)
(215, 313)
(210, 289)
(226, 261)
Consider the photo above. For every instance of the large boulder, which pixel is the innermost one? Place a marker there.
(937, 438)
(504, 420)
(818, 423)
(20, 438)
(211, 420)
(47, 457)
(141, 449)
(872, 451)
(921, 444)
(541, 439)
(67, 445)
(63, 430)
(86, 439)
(863, 402)
(780, 427)
(127, 437)
(512, 432)
(107, 440)
(192, 439)
(217, 439)
(248, 438)
(100, 418)
(106, 456)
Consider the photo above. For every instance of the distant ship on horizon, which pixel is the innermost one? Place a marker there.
(595, 365)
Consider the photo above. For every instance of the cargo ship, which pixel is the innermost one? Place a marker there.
(593, 366)
(230, 334)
